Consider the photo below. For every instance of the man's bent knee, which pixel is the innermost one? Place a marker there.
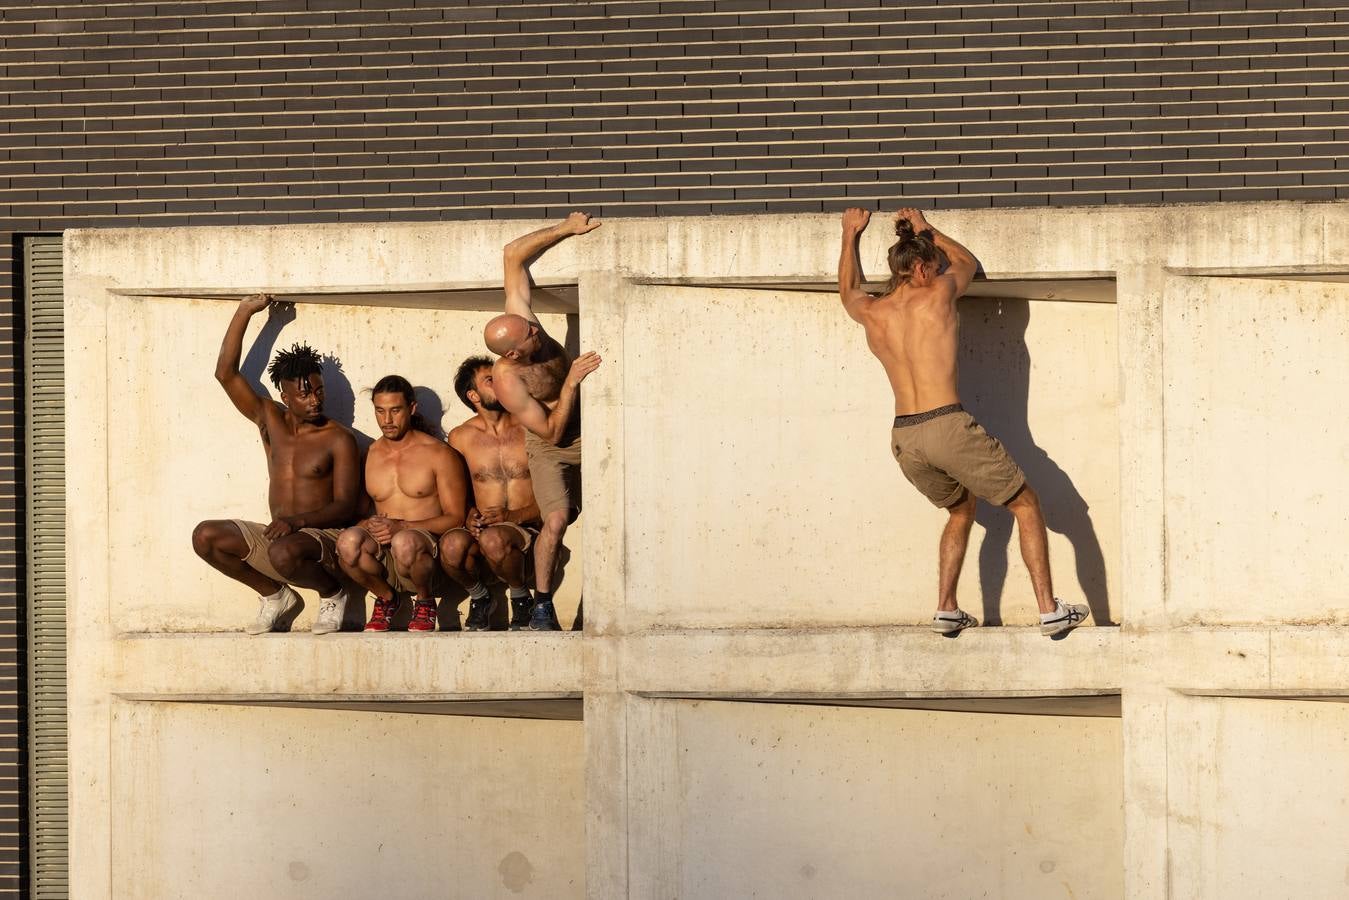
(207, 535)
(454, 548)
(1024, 499)
(349, 544)
(291, 552)
(496, 544)
(555, 523)
(405, 547)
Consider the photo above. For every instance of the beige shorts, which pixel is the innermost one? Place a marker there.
(258, 543)
(527, 532)
(944, 451)
(556, 473)
(398, 582)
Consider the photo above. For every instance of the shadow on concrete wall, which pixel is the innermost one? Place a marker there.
(259, 355)
(995, 387)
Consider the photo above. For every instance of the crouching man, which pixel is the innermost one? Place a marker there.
(419, 491)
(504, 519)
(313, 474)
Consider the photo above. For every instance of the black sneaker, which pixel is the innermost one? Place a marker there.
(544, 618)
(521, 607)
(480, 614)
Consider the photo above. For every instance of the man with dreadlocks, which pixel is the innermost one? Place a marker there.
(420, 491)
(314, 484)
(914, 330)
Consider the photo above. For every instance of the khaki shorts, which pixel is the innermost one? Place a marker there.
(556, 473)
(398, 582)
(527, 532)
(944, 451)
(258, 543)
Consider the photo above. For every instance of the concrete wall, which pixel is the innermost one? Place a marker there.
(228, 801)
(748, 538)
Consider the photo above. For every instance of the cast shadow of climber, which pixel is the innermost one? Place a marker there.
(995, 387)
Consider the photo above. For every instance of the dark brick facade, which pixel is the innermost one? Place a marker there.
(265, 111)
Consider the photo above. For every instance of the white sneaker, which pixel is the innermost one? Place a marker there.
(963, 620)
(271, 610)
(330, 614)
(1068, 615)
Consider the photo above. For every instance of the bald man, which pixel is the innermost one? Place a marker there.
(539, 384)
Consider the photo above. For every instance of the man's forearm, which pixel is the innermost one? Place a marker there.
(561, 413)
(850, 264)
(232, 347)
(437, 525)
(536, 242)
(951, 247)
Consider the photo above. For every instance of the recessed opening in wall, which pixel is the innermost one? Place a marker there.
(562, 708)
(791, 800)
(547, 298)
(201, 462)
(762, 401)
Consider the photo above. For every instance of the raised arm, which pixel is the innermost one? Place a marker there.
(241, 394)
(549, 424)
(521, 252)
(850, 262)
(963, 262)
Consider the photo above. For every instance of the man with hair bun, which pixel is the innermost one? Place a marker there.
(538, 383)
(419, 491)
(913, 328)
(313, 469)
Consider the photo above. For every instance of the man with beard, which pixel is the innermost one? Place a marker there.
(505, 517)
(538, 384)
(914, 330)
(314, 484)
(419, 490)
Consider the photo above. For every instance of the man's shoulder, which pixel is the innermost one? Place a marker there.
(465, 431)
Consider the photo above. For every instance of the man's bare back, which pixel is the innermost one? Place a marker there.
(913, 329)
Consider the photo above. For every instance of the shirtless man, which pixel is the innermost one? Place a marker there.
(914, 330)
(313, 469)
(419, 490)
(538, 384)
(504, 519)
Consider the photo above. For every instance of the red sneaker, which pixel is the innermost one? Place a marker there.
(423, 616)
(384, 611)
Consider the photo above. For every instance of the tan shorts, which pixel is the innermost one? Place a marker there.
(527, 532)
(944, 451)
(556, 473)
(258, 543)
(398, 582)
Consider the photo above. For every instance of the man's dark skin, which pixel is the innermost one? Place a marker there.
(312, 465)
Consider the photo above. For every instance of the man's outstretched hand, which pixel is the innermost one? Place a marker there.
(582, 366)
(255, 303)
(581, 223)
(855, 219)
(915, 218)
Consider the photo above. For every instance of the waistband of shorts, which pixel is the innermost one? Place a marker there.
(920, 418)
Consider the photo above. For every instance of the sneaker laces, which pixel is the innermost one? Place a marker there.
(327, 607)
(425, 611)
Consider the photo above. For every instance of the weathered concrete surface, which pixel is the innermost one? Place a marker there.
(222, 802)
(748, 537)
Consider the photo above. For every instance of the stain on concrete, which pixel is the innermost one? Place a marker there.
(807, 871)
(298, 871)
(516, 871)
(1047, 866)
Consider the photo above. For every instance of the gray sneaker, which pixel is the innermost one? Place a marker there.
(272, 610)
(1068, 615)
(330, 614)
(943, 625)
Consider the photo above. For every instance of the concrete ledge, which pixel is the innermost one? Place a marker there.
(449, 666)
(864, 663)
